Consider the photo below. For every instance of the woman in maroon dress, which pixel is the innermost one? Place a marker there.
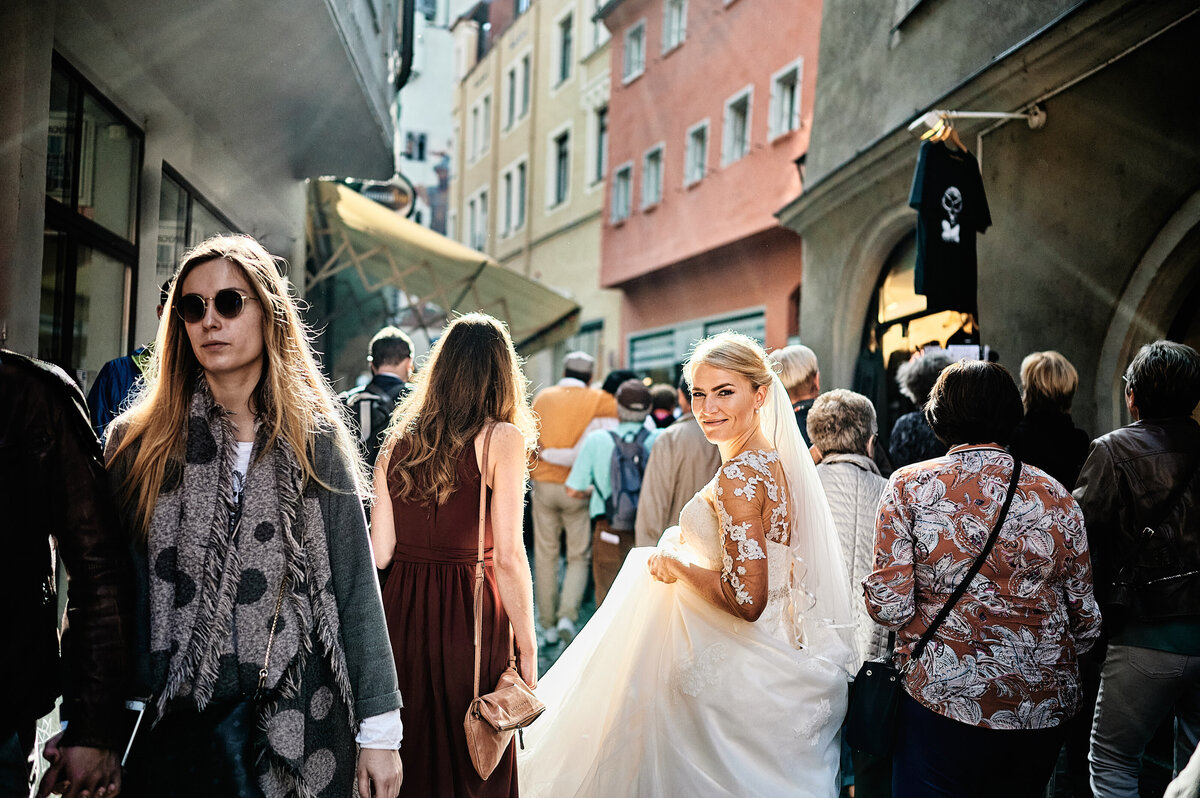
(425, 525)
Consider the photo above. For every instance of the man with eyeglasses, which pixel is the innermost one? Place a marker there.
(107, 398)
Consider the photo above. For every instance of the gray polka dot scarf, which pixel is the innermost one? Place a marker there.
(217, 565)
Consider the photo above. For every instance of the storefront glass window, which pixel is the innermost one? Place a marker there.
(94, 156)
(109, 159)
(904, 315)
(184, 220)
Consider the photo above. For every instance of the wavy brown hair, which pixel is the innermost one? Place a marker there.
(292, 399)
(473, 376)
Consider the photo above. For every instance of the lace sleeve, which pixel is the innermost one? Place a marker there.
(745, 507)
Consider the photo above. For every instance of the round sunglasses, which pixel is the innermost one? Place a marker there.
(228, 303)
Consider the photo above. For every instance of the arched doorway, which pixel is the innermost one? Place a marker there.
(1160, 300)
(901, 321)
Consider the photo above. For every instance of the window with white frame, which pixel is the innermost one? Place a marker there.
(696, 154)
(735, 143)
(477, 220)
(560, 154)
(622, 188)
(633, 61)
(481, 233)
(652, 177)
(522, 6)
(473, 151)
(506, 183)
(510, 100)
(785, 99)
(601, 162)
(485, 124)
(526, 80)
(513, 197)
(674, 24)
(472, 222)
(522, 188)
(566, 46)
(600, 33)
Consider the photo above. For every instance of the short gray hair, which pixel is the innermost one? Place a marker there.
(841, 421)
(798, 365)
(917, 377)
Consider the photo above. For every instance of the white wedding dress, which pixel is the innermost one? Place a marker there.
(665, 694)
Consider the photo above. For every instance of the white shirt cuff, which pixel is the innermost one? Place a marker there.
(381, 731)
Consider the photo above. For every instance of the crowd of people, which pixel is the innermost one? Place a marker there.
(235, 626)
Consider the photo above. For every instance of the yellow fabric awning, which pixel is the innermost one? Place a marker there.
(349, 231)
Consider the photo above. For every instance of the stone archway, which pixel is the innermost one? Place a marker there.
(1148, 305)
(859, 276)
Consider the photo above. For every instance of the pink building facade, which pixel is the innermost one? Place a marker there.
(710, 109)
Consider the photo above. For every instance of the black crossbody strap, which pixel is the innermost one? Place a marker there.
(975, 566)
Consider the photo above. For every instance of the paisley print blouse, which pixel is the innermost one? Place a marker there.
(1006, 655)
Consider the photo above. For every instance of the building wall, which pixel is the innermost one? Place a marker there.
(709, 246)
(1094, 247)
(874, 80)
(681, 88)
(252, 182)
(761, 271)
(558, 244)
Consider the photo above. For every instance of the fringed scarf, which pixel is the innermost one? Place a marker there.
(214, 587)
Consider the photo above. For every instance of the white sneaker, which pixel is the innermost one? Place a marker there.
(550, 636)
(566, 630)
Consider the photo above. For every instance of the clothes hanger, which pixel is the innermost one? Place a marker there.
(948, 135)
(951, 136)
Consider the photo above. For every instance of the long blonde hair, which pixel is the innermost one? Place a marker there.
(292, 399)
(473, 375)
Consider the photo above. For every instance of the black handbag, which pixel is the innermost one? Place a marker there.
(875, 694)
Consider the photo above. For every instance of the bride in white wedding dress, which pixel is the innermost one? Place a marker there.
(718, 663)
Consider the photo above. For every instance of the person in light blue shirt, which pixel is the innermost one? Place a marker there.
(592, 474)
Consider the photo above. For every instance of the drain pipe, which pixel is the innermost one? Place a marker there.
(408, 13)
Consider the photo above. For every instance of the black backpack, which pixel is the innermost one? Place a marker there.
(375, 407)
(626, 468)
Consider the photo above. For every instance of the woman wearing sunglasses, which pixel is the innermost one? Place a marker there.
(261, 637)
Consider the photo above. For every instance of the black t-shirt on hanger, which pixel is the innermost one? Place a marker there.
(947, 192)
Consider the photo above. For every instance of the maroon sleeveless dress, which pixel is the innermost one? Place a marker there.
(428, 600)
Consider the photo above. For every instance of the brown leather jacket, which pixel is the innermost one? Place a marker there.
(1125, 486)
(52, 484)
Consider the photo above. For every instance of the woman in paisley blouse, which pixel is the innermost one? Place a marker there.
(986, 704)
(717, 665)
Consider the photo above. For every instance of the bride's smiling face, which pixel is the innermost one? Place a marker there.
(725, 403)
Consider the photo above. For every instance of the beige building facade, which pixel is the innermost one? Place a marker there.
(527, 186)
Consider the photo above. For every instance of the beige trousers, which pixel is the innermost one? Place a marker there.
(553, 514)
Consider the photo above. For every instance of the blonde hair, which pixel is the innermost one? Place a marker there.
(473, 375)
(732, 351)
(292, 399)
(1048, 381)
(798, 366)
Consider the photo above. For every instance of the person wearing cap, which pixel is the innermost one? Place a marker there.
(591, 478)
(564, 411)
(114, 383)
(683, 462)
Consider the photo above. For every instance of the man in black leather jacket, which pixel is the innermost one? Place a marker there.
(52, 485)
(1140, 495)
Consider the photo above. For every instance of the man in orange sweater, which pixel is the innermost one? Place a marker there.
(565, 411)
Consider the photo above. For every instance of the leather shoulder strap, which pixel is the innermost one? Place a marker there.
(975, 566)
(487, 443)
